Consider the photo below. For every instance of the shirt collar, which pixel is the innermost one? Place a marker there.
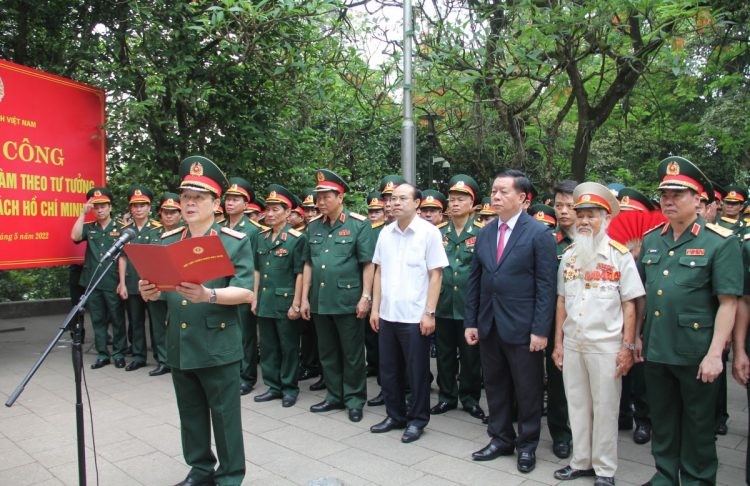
(511, 222)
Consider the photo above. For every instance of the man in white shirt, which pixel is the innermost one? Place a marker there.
(409, 259)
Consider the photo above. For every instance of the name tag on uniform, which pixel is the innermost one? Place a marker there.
(695, 252)
(344, 232)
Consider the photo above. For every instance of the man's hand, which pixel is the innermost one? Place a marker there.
(148, 290)
(471, 334)
(710, 368)
(363, 307)
(741, 367)
(375, 320)
(538, 343)
(624, 362)
(427, 325)
(304, 309)
(557, 356)
(195, 293)
(122, 291)
(638, 353)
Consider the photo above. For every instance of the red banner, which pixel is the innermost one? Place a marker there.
(52, 149)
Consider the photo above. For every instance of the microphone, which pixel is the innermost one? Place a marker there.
(127, 235)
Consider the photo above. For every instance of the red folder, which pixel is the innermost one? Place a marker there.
(195, 260)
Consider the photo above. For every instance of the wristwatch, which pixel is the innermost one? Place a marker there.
(212, 298)
(629, 346)
(367, 297)
(429, 313)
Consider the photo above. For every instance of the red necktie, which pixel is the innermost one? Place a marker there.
(501, 241)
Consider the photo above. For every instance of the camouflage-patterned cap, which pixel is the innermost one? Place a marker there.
(594, 195)
(736, 193)
(486, 207)
(679, 173)
(633, 200)
(170, 200)
(308, 198)
(543, 213)
(97, 195)
(278, 194)
(466, 184)
(240, 187)
(374, 201)
(433, 199)
(330, 181)
(201, 174)
(390, 182)
(138, 193)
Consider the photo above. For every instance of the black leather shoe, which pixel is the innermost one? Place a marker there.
(306, 374)
(561, 449)
(604, 481)
(486, 420)
(119, 362)
(411, 434)
(492, 451)
(162, 369)
(100, 363)
(441, 407)
(245, 388)
(355, 414)
(386, 425)
(287, 401)
(377, 401)
(567, 473)
(526, 462)
(326, 406)
(267, 396)
(721, 429)
(475, 411)
(642, 433)
(134, 365)
(318, 385)
(196, 482)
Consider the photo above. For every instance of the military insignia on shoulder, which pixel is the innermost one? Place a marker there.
(237, 234)
(618, 246)
(655, 227)
(442, 225)
(123, 224)
(568, 247)
(156, 224)
(256, 223)
(169, 233)
(478, 223)
(377, 224)
(357, 216)
(559, 236)
(720, 230)
(728, 220)
(315, 218)
(746, 237)
(294, 233)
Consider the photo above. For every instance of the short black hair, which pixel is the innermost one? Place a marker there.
(521, 183)
(565, 187)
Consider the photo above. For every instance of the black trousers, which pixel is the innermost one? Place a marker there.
(512, 370)
(404, 352)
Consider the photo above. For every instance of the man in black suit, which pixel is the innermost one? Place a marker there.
(510, 301)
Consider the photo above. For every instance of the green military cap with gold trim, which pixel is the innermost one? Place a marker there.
(258, 205)
(735, 193)
(374, 201)
(278, 194)
(170, 200)
(709, 193)
(98, 195)
(543, 213)
(679, 173)
(719, 191)
(589, 195)
(465, 184)
(633, 200)
(201, 174)
(390, 182)
(308, 198)
(434, 199)
(138, 193)
(486, 207)
(240, 187)
(328, 180)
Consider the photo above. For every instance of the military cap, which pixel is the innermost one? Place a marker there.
(258, 205)
(390, 182)
(138, 193)
(543, 213)
(240, 187)
(594, 195)
(278, 194)
(719, 191)
(615, 187)
(736, 193)
(547, 198)
(330, 181)
(201, 174)
(633, 200)
(308, 198)
(709, 194)
(374, 201)
(680, 173)
(466, 184)
(98, 195)
(486, 207)
(221, 209)
(170, 200)
(433, 199)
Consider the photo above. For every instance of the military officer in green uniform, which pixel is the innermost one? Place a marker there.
(337, 291)
(255, 209)
(376, 216)
(741, 339)
(146, 231)
(236, 200)
(387, 185)
(544, 214)
(485, 214)
(308, 205)
(104, 305)
(169, 217)
(279, 261)
(693, 275)
(309, 362)
(375, 207)
(731, 209)
(459, 375)
(204, 346)
(432, 206)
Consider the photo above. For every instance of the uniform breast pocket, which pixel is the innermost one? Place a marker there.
(694, 334)
(316, 246)
(342, 246)
(650, 266)
(283, 299)
(280, 258)
(693, 272)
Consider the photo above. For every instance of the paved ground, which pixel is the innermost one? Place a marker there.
(135, 425)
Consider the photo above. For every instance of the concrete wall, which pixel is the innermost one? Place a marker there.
(31, 308)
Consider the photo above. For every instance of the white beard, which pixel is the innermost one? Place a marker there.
(585, 249)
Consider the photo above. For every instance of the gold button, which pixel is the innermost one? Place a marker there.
(322, 266)
(665, 272)
(671, 253)
(222, 325)
(696, 325)
(659, 292)
(184, 302)
(322, 284)
(657, 313)
(183, 325)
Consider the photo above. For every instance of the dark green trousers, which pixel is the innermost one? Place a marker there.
(372, 353)
(633, 399)
(722, 415)
(308, 347)
(557, 403)
(209, 397)
(105, 306)
(249, 326)
(279, 354)
(136, 308)
(456, 359)
(341, 345)
(158, 320)
(682, 424)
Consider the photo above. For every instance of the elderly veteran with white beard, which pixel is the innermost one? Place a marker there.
(597, 286)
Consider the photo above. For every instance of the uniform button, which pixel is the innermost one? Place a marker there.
(657, 313)
(458, 259)
(665, 272)
(455, 287)
(265, 275)
(330, 236)
(325, 251)
(264, 289)
(671, 253)
(222, 325)
(268, 263)
(696, 325)
(322, 266)
(322, 284)
(455, 273)
(183, 325)
(659, 292)
(184, 302)
(348, 286)
(285, 294)
(692, 264)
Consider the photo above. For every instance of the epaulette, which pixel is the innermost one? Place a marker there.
(442, 225)
(315, 218)
(265, 230)
(618, 246)
(229, 231)
(568, 248)
(156, 224)
(655, 227)
(257, 223)
(720, 230)
(746, 237)
(294, 232)
(478, 223)
(172, 232)
(123, 224)
(377, 224)
(729, 220)
(357, 216)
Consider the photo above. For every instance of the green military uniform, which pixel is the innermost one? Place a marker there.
(336, 251)
(746, 273)
(372, 352)
(544, 214)
(249, 325)
(204, 349)
(104, 305)
(279, 259)
(683, 279)
(309, 361)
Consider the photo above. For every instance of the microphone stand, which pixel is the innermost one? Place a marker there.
(74, 317)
